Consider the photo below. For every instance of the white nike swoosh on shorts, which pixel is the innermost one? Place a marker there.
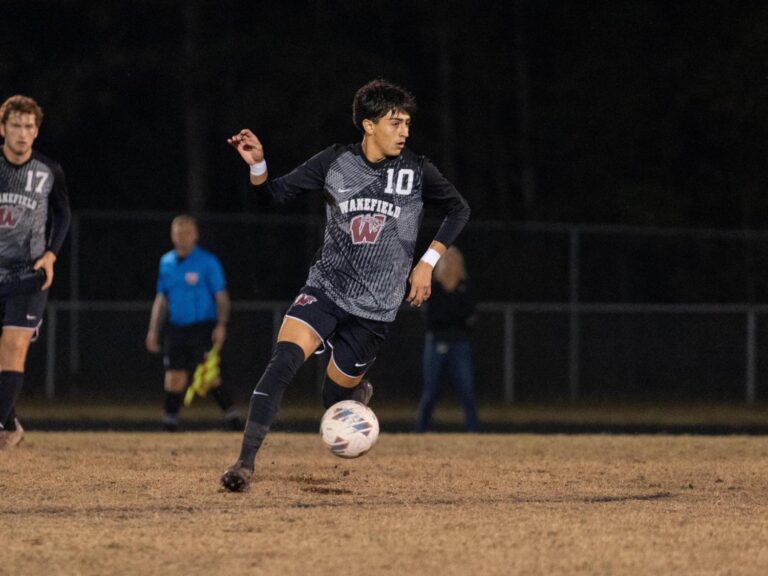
(358, 365)
(31, 317)
(257, 393)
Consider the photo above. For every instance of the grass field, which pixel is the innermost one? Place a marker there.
(143, 503)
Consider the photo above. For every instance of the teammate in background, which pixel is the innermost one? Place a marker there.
(33, 199)
(375, 191)
(448, 315)
(192, 292)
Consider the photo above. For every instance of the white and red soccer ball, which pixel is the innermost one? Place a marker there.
(349, 429)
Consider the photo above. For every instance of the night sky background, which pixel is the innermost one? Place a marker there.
(643, 114)
(648, 113)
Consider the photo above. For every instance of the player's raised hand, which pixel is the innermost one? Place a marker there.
(248, 145)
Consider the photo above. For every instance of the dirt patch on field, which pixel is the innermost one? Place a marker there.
(119, 503)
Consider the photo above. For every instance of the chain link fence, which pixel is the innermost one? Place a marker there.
(567, 312)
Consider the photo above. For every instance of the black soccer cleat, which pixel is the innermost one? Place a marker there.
(237, 478)
(170, 422)
(363, 392)
(170, 427)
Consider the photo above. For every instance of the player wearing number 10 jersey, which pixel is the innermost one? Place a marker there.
(373, 215)
(375, 192)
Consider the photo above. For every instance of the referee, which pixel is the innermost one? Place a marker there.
(192, 294)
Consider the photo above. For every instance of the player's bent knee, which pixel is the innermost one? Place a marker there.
(286, 360)
(340, 378)
(175, 381)
(299, 334)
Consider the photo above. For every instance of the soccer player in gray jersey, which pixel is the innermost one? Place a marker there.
(34, 219)
(375, 192)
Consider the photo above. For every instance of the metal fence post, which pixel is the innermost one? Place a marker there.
(50, 353)
(509, 355)
(573, 340)
(751, 368)
(74, 295)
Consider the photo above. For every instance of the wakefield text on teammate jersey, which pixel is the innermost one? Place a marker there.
(18, 199)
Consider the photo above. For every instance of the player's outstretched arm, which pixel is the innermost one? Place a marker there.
(421, 275)
(250, 149)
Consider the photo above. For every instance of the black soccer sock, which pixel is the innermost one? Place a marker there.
(173, 401)
(265, 402)
(333, 393)
(10, 423)
(10, 387)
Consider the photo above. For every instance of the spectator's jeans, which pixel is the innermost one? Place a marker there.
(447, 360)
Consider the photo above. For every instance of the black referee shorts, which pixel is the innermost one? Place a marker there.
(184, 347)
(353, 341)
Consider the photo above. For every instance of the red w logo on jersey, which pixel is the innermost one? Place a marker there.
(9, 216)
(365, 228)
(304, 299)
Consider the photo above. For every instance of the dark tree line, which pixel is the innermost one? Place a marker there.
(636, 112)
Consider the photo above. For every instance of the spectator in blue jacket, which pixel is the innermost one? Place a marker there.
(449, 313)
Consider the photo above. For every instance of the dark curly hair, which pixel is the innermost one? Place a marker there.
(377, 99)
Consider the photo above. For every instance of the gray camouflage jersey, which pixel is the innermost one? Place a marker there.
(34, 211)
(373, 216)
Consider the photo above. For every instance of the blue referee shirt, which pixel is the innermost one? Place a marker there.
(190, 286)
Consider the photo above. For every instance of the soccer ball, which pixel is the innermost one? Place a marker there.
(349, 429)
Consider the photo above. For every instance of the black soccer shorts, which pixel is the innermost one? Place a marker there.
(24, 310)
(353, 341)
(21, 279)
(184, 347)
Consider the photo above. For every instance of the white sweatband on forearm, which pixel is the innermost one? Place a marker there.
(431, 257)
(259, 168)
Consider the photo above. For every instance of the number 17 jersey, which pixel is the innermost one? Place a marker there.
(34, 210)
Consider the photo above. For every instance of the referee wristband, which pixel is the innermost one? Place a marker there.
(259, 168)
(431, 257)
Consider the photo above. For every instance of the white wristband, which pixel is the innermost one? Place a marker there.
(431, 257)
(259, 168)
